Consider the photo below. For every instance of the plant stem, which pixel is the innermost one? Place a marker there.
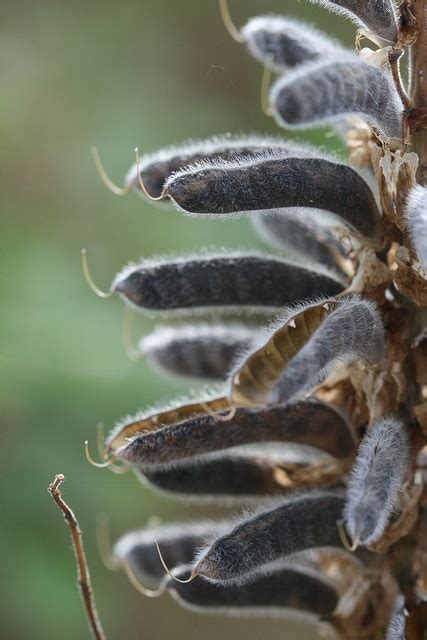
(419, 86)
(83, 574)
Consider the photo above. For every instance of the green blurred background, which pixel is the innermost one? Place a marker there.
(114, 74)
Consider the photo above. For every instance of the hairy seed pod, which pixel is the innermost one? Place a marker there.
(354, 331)
(283, 591)
(221, 281)
(397, 624)
(240, 474)
(299, 523)
(156, 167)
(311, 423)
(197, 350)
(284, 43)
(376, 17)
(416, 220)
(166, 416)
(307, 237)
(324, 92)
(274, 181)
(178, 542)
(256, 375)
(378, 474)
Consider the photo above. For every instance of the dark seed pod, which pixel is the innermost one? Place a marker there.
(155, 168)
(416, 218)
(353, 331)
(376, 17)
(284, 43)
(307, 237)
(284, 590)
(274, 181)
(311, 422)
(378, 474)
(197, 350)
(178, 543)
(240, 474)
(397, 624)
(221, 281)
(304, 522)
(324, 92)
(153, 419)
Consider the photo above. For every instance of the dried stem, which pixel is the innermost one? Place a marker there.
(83, 574)
(418, 75)
(393, 58)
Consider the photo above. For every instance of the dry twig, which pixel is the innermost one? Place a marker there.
(83, 574)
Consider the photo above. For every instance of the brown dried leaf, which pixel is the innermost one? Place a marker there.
(410, 278)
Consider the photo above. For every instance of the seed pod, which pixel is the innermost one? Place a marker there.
(221, 281)
(178, 543)
(397, 624)
(286, 527)
(306, 236)
(324, 92)
(240, 474)
(166, 416)
(197, 350)
(155, 168)
(354, 331)
(378, 474)
(311, 422)
(284, 43)
(274, 181)
(416, 218)
(255, 377)
(376, 17)
(284, 590)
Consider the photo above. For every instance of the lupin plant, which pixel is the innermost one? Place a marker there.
(320, 420)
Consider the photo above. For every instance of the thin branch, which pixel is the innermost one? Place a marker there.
(83, 574)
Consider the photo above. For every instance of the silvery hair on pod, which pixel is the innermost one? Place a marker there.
(416, 219)
(284, 43)
(354, 331)
(324, 92)
(376, 480)
(377, 16)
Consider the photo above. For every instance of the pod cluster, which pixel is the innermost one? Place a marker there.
(287, 430)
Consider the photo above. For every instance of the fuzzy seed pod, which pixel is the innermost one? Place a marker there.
(354, 331)
(284, 43)
(416, 219)
(376, 17)
(306, 236)
(296, 524)
(221, 281)
(274, 181)
(397, 624)
(240, 474)
(378, 474)
(283, 591)
(310, 422)
(197, 350)
(156, 167)
(178, 542)
(324, 92)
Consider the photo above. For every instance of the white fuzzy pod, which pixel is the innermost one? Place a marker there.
(284, 43)
(396, 626)
(322, 93)
(376, 480)
(377, 17)
(416, 218)
(354, 331)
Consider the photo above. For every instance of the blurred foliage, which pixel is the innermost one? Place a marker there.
(114, 74)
